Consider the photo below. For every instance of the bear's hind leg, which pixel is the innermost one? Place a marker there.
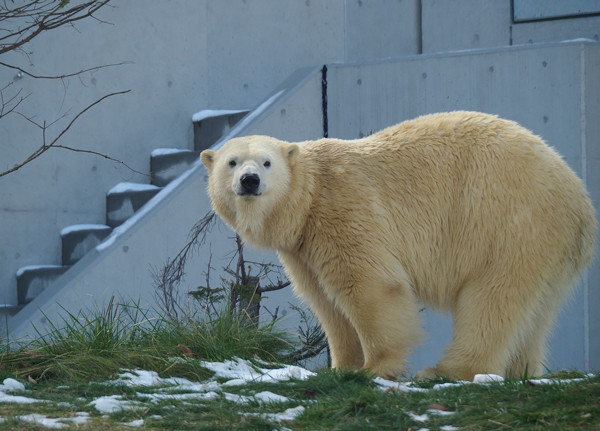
(492, 324)
(530, 355)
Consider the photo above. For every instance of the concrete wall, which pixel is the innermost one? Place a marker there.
(451, 25)
(181, 56)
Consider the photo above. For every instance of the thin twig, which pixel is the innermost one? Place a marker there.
(64, 75)
(45, 147)
(96, 153)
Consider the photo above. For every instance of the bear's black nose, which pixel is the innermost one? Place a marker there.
(250, 183)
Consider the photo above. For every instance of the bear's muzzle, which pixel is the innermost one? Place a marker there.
(250, 184)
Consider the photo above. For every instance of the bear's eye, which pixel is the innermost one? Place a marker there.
(232, 163)
(267, 164)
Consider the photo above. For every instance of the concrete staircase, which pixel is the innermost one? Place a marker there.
(122, 201)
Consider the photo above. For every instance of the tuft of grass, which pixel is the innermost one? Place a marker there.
(123, 336)
(60, 366)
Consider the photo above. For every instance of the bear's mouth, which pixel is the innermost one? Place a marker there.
(249, 195)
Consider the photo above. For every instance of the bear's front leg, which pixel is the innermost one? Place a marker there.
(344, 345)
(386, 318)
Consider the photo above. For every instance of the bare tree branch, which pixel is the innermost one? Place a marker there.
(64, 75)
(45, 147)
(15, 101)
(36, 16)
(96, 153)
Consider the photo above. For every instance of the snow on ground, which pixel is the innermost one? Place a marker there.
(239, 372)
(12, 385)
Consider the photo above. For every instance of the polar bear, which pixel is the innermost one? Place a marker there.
(459, 211)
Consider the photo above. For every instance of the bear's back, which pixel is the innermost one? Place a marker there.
(451, 194)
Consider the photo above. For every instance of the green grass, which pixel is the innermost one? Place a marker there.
(95, 347)
(68, 368)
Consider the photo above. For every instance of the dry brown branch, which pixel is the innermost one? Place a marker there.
(168, 278)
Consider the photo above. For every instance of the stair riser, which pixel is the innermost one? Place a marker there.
(75, 245)
(166, 168)
(208, 131)
(121, 206)
(31, 283)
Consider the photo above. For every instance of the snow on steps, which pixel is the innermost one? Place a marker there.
(166, 164)
(210, 125)
(122, 201)
(79, 239)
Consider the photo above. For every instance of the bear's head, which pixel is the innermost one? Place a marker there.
(248, 177)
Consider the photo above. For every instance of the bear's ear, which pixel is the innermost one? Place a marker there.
(208, 158)
(291, 152)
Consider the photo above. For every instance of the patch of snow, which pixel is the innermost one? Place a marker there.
(9, 385)
(126, 187)
(135, 423)
(261, 398)
(80, 227)
(24, 269)
(167, 151)
(17, 399)
(439, 412)
(418, 418)
(147, 378)
(79, 419)
(113, 403)
(151, 378)
(579, 39)
(390, 385)
(536, 382)
(156, 397)
(270, 397)
(286, 415)
(208, 113)
(487, 378)
(235, 398)
(448, 428)
(243, 371)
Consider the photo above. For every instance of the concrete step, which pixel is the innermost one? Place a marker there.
(124, 199)
(166, 164)
(78, 239)
(210, 125)
(33, 280)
